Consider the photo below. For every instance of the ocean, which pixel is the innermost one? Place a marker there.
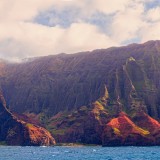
(79, 153)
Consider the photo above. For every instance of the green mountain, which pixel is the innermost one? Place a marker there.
(86, 97)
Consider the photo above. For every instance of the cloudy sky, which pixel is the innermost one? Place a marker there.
(30, 28)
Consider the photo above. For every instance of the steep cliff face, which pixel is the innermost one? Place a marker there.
(65, 82)
(85, 97)
(17, 132)
(123, 131)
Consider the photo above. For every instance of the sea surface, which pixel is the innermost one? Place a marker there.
(79, 153)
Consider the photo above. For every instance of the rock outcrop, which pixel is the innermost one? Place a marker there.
(84, 125)
(93, 124)
(97, 124)
(122, 131)
(14, 131)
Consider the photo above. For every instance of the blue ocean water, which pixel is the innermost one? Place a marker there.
(79, 153)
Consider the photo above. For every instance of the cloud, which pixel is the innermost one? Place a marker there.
(28, 39)
(111, 6)
(17, 10)
(151, 32)
(82, 36)
(154, 14)
(74, 25)
(127, 23)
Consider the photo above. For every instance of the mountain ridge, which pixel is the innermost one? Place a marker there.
(65, 68)
(78, 96)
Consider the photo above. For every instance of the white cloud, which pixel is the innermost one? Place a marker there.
(154, 14)
(82, 36)
(15, 10)
(110, 6)
(151, 32)
(27, 39)
(21, 37)
(24, 10)
(126, 24)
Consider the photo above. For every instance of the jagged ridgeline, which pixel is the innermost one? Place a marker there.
(65, 82)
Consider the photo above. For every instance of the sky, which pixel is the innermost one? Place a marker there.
(31, 28)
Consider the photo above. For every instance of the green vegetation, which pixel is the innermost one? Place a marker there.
(117, 131)
(144, 132)
(3, 143)
(43, 118)
(58, 131)
(29, 125)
